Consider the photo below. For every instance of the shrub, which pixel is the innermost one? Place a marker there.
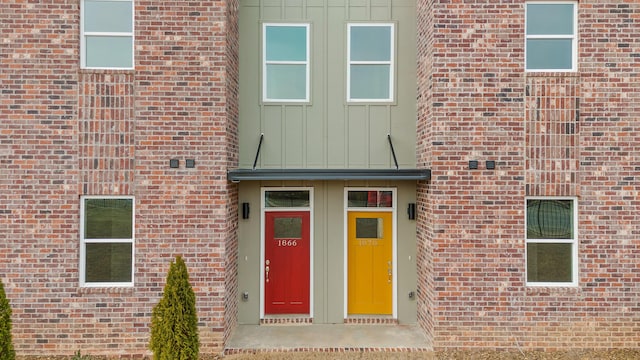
(6, 344)
(174, 323)
(79, 356)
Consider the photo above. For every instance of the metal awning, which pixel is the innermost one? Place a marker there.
(328, 174)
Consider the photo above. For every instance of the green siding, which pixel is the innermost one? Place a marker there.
(327, 132)
(328, 249)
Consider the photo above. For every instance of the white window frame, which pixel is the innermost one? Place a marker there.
(391, 62)
(84, 34)
(83, 242)
(573, 242)
(265, 99)
(573, 38)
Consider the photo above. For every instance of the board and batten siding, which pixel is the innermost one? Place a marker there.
(327, 132)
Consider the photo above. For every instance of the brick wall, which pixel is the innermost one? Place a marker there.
(68, 132)
(481, 106)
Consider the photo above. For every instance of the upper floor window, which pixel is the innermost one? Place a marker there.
(551, 241)
(551, 36)
(370, 76)
(107, 229)
(285, 65)
(107, 34)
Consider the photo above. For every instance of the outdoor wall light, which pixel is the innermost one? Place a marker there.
(245, 210)
(490, 164)
(473, 164)
(190, 163)
(411, 211)
(174, 163)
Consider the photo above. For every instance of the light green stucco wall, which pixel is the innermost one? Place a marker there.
(328, 249)
(327, 132)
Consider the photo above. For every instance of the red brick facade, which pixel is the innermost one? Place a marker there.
(551, 134)
(67, 132)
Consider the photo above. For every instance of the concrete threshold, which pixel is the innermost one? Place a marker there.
(327, 337)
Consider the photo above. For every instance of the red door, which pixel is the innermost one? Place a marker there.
(286, 262)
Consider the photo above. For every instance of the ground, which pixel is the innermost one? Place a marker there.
(620, 354)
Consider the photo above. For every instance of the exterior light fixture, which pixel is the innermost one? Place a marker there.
(411, 211)
(245, 210)
(174, 163)
(473, 164)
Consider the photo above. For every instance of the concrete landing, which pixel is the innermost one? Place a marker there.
(327, 337)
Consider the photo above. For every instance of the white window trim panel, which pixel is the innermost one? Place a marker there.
(574, 37)
(391, 62)
(306, 99)
(84, 34)
(83, 241)
(574, 242)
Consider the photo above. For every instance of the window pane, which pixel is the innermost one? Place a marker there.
(109, 51)
(287, 228)
(549, 262)
(386, 199)
(368, 228)
(108, 16)
(362, 199)
(287, 82)
(286, 198)
(370, 198)
(286, 43)
(369, 82)
(108, 262)
(549, 219)
(108, 218)
(370, 43)
(549, 54)
(550, 19)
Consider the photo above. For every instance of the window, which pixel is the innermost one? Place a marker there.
(551, 36)
(285, 55)
(107, 34)
(370, 62)
(107, 239)
(551, 241)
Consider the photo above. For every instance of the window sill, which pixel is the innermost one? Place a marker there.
(105, 290)
(553, 290)
(107, 71)
(552, 74)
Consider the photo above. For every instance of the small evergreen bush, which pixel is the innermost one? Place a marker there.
(174, 323)
(79, 356)
(6, 344)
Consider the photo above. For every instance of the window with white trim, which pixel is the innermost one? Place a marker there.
(107, 34)
(551, 36)
(370, 62)
(285, 62)
(551, 240)
(107, 233)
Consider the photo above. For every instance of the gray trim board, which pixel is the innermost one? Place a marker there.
(238, 175)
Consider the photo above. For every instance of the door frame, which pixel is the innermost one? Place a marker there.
(394, 242)
(263, 210)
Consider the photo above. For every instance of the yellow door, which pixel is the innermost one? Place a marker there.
(370, 263)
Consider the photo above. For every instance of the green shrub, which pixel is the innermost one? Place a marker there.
(79, 356)
(6, 344)
(174, 323)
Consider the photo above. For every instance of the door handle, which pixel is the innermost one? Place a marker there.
(266, 270)
(389, 272)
